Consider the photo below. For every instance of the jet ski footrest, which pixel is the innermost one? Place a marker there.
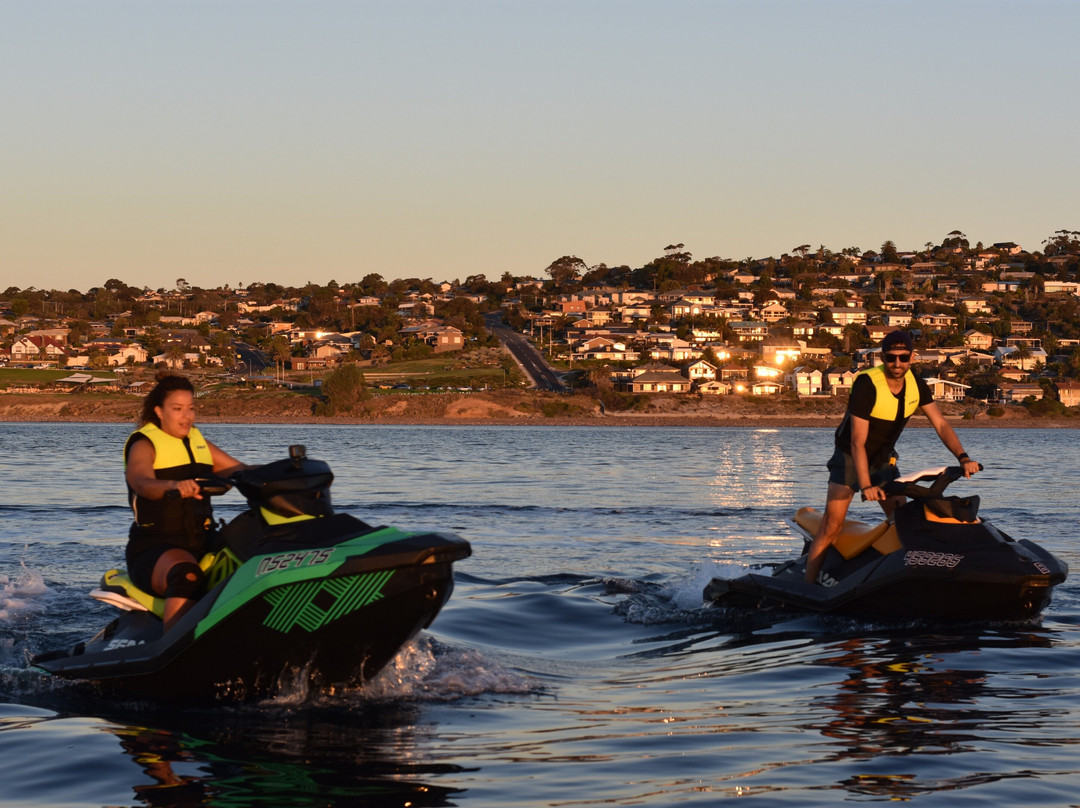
(855, 536)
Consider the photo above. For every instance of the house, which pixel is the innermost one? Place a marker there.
(763, 371)
(806, 381)
(734, 373)
(700, 370)
(605, 348)
(978, 340)
(839, 380)
(938, 322)
(1069, 393)
(780, 354)
(118, 352)
(976, 305)
(848, 315)
(660, 381)
(1012, 356)
(767, 388)
(36, 349)
(715, 388)
(448, 338)
(945, 390)
(774, 312)
(1015, 393)
(750, 331)
(674, 350)
(896, 319)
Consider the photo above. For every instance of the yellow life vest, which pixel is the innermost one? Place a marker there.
(170, 452)
(886, 403)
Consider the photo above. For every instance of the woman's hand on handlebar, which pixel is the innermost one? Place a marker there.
(187, 489)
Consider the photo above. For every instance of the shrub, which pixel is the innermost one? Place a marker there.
(343, 389)
(1045, 408)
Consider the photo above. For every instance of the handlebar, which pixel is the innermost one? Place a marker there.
(941, 477)
(214, 486)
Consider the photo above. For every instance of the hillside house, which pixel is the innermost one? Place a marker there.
(978, 340)
(660, 381)
(945, 390)
(1015, 393)
(848, 315)
(767, 388)
(700, 370)
(715, 387)
(1069, 393)
(807, 381)
(839, 380)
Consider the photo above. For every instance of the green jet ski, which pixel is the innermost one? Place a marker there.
(295, 589)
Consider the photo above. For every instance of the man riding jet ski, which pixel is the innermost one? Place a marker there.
(296, 587)
(934, 558)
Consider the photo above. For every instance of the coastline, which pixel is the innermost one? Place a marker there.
(495, 408)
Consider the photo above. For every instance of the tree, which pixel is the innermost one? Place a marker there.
(889, 255)
(566, 270)
(343, 389)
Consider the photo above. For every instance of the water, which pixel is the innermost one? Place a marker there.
(575, 664)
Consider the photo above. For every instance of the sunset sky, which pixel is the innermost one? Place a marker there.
(232, 142)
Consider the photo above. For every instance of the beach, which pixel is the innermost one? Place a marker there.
(496, 407)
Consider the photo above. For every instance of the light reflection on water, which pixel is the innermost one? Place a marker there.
(574, 664)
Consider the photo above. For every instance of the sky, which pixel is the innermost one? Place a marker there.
(235, 141)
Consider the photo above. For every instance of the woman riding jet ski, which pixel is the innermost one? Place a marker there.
(295, 587)
(934, 558)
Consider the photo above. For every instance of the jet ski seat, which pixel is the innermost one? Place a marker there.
(117, 590)
(855, 536)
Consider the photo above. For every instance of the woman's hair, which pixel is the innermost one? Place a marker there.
(166, 383)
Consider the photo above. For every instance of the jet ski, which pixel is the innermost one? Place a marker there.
(296, 589)
(935, 558)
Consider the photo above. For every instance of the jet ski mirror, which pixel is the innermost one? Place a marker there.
(298, 454)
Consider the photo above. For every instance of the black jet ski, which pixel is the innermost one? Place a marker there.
(296, 589)
(935, 558)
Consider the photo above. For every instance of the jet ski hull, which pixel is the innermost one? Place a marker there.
(335, 614)
(892, 590)
(934, 560)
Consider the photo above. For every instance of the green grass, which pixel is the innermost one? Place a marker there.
(438, 372)
(31, 376)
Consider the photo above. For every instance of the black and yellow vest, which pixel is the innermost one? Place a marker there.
(887, 418)
(886, 404)
(174, 459)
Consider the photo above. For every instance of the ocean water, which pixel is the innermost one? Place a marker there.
(575, 664)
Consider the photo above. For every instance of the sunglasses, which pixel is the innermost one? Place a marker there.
(897, 358)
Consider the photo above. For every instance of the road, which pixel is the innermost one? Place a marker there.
(528, 358)
(254, 359)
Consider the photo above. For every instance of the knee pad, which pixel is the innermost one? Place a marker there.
(185, 580)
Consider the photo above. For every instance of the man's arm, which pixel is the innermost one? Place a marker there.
(949, 437)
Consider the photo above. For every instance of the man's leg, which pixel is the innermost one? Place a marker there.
(836, 507)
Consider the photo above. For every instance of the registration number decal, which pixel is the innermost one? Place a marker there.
(924, 558)
(302, 558)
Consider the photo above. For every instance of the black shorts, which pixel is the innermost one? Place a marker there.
(842, 470)
(143, 552)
